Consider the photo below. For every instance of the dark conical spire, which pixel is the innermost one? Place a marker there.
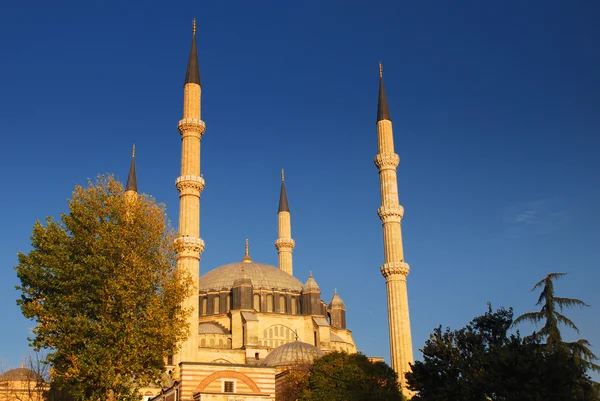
(283, 201)
(383, 111)
(131, 179)
(192, 75)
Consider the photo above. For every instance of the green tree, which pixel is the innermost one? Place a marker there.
(483, 362)
(102, 285)
(340, 376)
(551, 316)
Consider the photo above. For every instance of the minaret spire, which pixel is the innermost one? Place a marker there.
(190, 184)
(192, 75)
(284, 244)
(395, 269)
(131, 189)
(383, 111)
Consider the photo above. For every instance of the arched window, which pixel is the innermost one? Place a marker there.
(256, 302)
(204, 302)
(216, 305)
(228, 302)
(294, 306)
(282, 304)
(203, 343)
(212, 342)
(269, 303)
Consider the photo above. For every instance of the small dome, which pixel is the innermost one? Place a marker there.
(261, 275)
(311, 284)
(21, 374)
(336, 302)
(293, 353)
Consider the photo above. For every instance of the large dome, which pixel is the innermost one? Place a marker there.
(293, 353)
(21, 374)
(262, 276)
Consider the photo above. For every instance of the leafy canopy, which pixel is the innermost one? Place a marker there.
(102, 285)
(483, 362)
(340, 376)
(551, 316)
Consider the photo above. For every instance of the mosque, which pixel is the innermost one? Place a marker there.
(252, 321)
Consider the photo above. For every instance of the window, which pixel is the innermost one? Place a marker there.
(256, 356)
(282, 304)
(204, 302)
(228, 387)
(216, 305)
(294, 308)
(228, 303)
(269, 303)
(170, 360)
(256, 302)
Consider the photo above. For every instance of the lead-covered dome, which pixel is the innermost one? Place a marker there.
(20, 374)
(261, 275)
(293, 353)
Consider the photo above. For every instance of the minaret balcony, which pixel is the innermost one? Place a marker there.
(284, 243)
(387, 161)
(392, 213)
(191, 127)
(395, 269)
(187, 244)
(190, 184)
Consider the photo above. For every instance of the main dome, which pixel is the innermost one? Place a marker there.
(262, 276)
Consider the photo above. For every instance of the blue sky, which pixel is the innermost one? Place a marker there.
(496, 119)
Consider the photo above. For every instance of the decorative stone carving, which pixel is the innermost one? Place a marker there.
(387, 161)
(191, 127)
(190, 184)
(388, 269)
(285, 243)
(187, 244)
(390, 213)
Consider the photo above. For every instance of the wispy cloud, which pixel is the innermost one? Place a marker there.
(541, 216)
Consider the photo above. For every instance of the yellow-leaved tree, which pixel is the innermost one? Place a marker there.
(103, 287)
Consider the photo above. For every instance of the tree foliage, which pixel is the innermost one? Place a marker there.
(102, 285)
(551, 316)
(483, 362)
(340, 376)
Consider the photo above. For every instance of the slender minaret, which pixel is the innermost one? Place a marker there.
(394, 269)
(285, 243)
(131, 189)
(190, 184)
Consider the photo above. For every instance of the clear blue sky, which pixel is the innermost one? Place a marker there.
(496, 120)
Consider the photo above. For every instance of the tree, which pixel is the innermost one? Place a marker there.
(483, 362)
(552, 319)
(342, 376)
(103, 287)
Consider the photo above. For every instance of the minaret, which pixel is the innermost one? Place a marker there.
(284, 244)
(190, 184)
(131, 189)
(394, 269)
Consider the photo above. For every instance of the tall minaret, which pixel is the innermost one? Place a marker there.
(285, 243)
(131, 189)
(190, 184)
(394, 269)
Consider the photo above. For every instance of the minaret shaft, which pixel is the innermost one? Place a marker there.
(190, 185)
(394, 269)
(285, 244)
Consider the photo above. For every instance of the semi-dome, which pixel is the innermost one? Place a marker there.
(261, 275)
(293, 353)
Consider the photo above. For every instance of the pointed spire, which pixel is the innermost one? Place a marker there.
(283, 200)
(192, 74)
(131, 179)
(247, 258)
(383, 112)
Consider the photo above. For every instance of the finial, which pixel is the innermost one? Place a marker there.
(335, 291)
(310, 274)
(380, 70)
(247, 258)
(282, 175)
(133, 151)
(194, 26)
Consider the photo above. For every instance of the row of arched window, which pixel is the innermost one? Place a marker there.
(283, 306)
